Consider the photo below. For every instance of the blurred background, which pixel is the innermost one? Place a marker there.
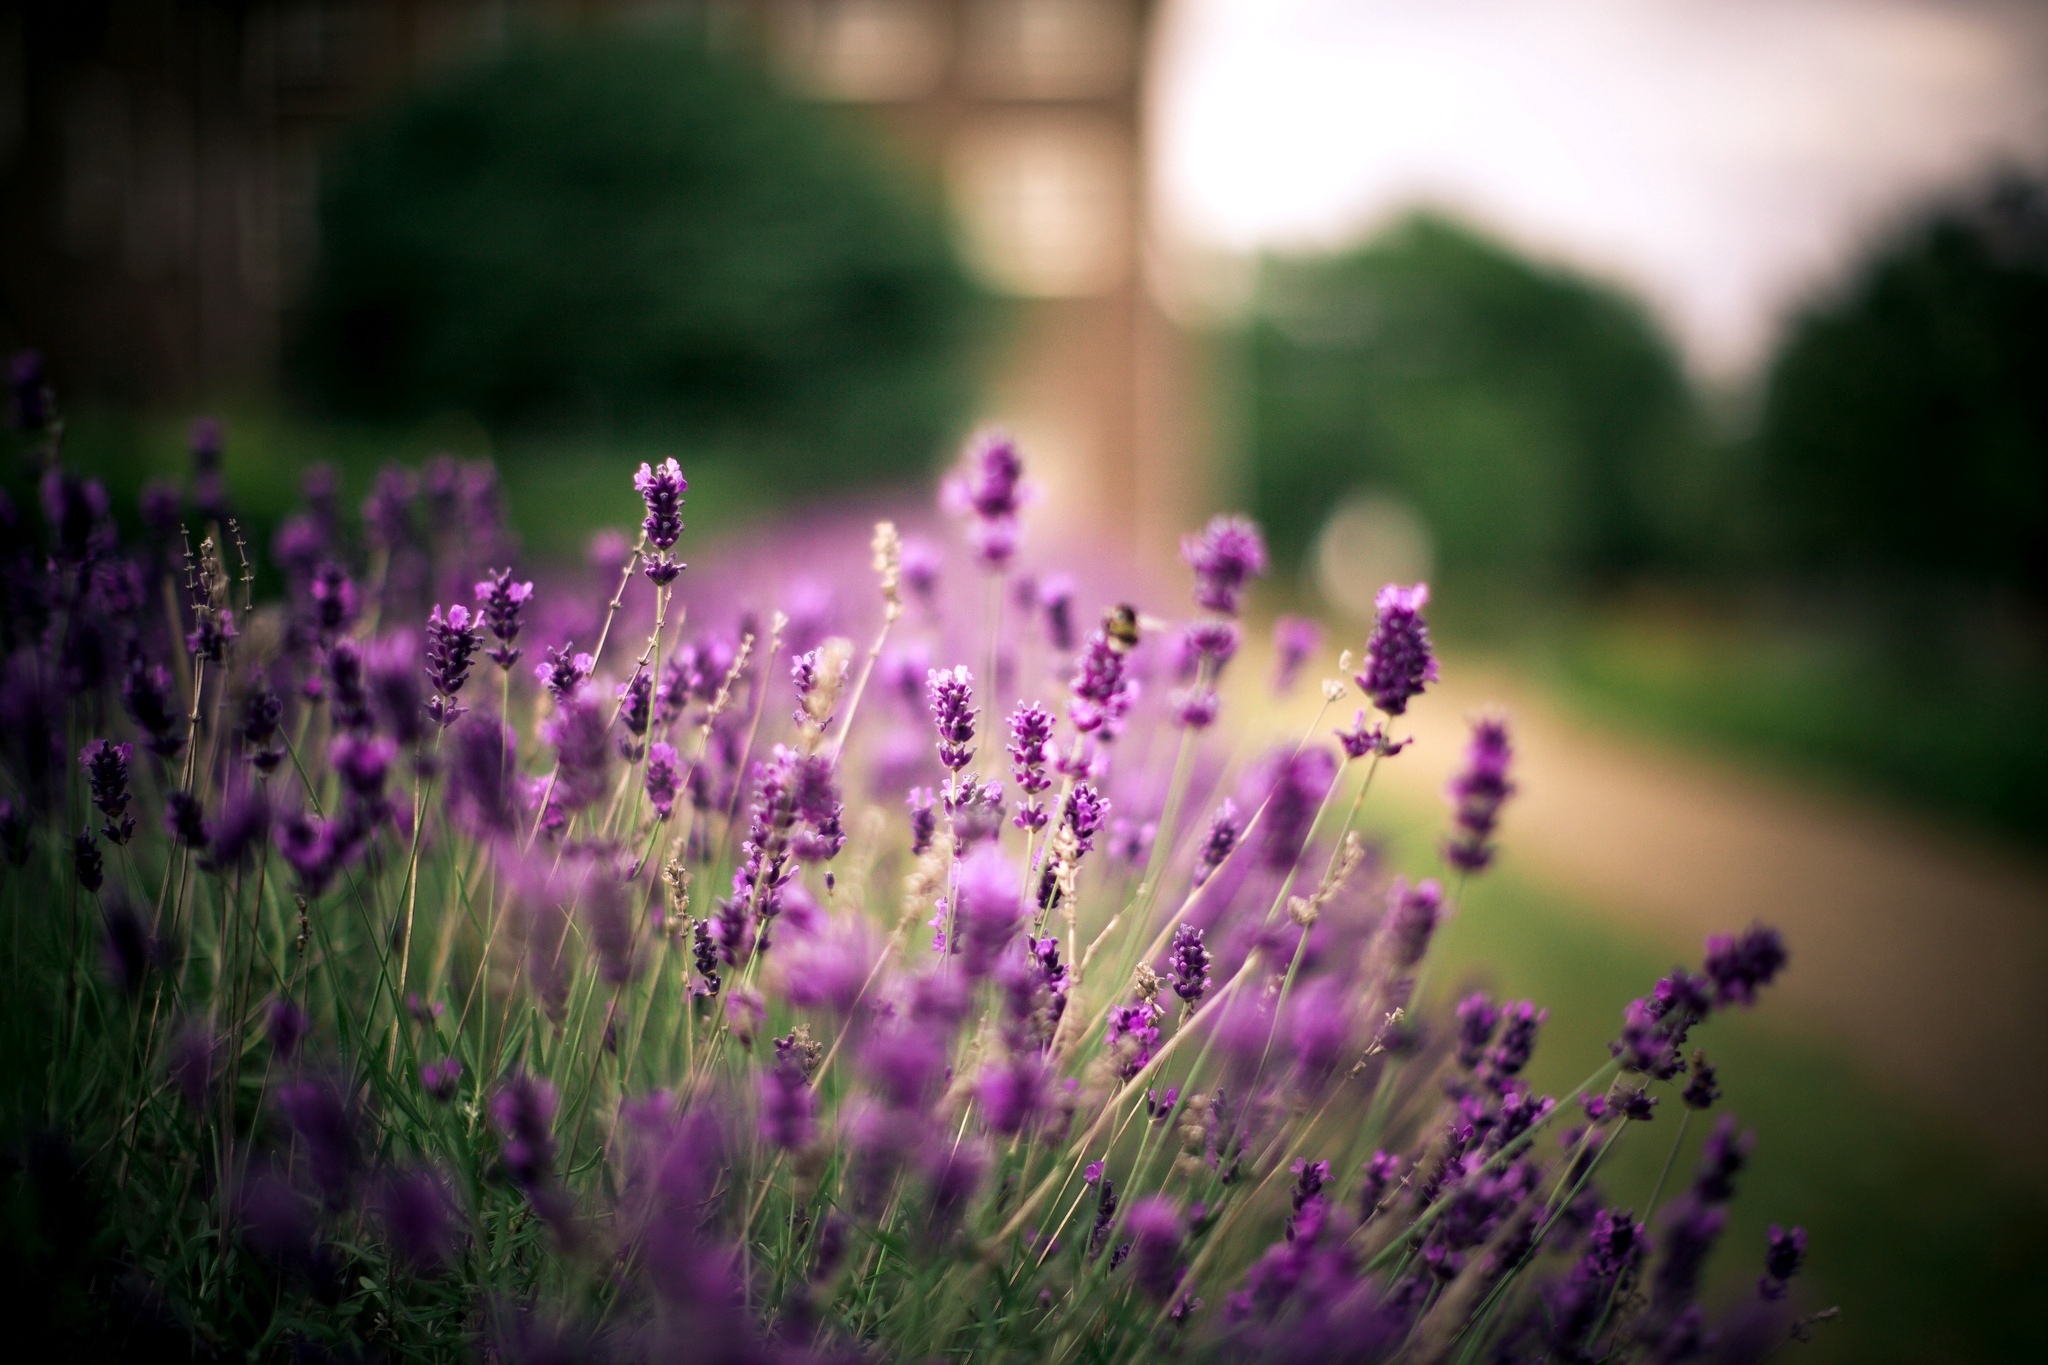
(1696, 351)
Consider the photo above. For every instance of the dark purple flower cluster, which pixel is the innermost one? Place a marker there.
(1187, 964)
(563, 672)
(1226, 557)
(662, 487)
(1399, 661)
(106, 768)
(1300, 783)
(1296, 639)
(1477, 793)
(1030, 738)
(503, 606)
(1219, 842)
(950, 692)
(988, 489)
(452, 643)
(1741, 964)
(1101, 694)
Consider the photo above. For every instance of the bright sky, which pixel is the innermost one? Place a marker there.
(1724, 157)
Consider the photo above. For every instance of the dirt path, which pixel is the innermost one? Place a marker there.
(1926, 955)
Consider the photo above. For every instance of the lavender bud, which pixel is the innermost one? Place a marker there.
(452, 643)
(1188, 964)
(106, 770)
(1224, 831)
(1398, 659)
(661, 488)
(503, 604)
(86, 861)
(950, 693)
(1477, 793)
(1296, 639)
(1227, 555)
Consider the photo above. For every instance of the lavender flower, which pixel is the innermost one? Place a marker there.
(1195, 708)
(1056, 600)
(1784, 1252)
(1519, 1021)
(564, 672)
(921, 571)
(1226, 557)
(106, 769)
(1477, 793)
(1133, 1033)
(333, 600)
(661, 488)
(1187, 964)
(1703, 1087)
(77, 512)
(1740, 966)
(1012, 1094)
(788, 1107)
(1722, 1157)
(348, 690)
(391, 678)
(242, 828)
(582, 756)
(480, 796)
(1296, 639)
(319, 1117)
(1217, 844)
(924, 821)
(387, 511)
(1156, 1233)
(452, 643)
(1477, 1019)
(636, 713)
(146, 696)
(1105, 1210)
(287, 1026)
(419, 1218)
(1030, 734)
(704, 956)
(1412, 917)
(1086, 812)
(1101, 693)
(185, 821)
(951, 696)
(1300, 780)
(523, 1111)
(988, 909)
(86, 861)
(503, 603)
(1382, 1169)
(663, 778)
(262, 715)
(1398, 658)
(988, 488)
(1363, 739)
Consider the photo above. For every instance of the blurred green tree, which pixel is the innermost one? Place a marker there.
(1537, 421)
(1905, 422)
(628, 234)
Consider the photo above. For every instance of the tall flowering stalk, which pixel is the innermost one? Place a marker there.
(364, 1073)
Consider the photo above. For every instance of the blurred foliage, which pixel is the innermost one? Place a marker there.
(1905, 423)
(626, 233)
(1538, 422)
